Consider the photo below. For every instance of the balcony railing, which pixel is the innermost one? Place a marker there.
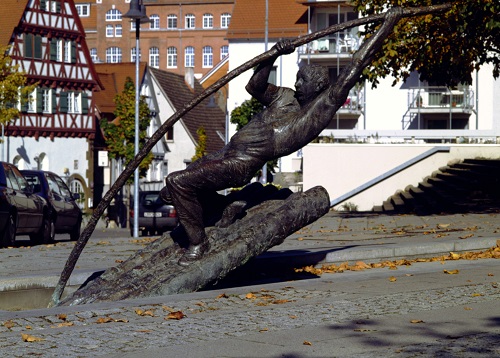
(335, 44)
(434, 97)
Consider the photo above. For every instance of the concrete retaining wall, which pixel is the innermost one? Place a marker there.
(341, 168)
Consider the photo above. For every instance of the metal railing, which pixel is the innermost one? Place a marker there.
(389, 174)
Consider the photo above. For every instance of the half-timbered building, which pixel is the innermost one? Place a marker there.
(56, 127)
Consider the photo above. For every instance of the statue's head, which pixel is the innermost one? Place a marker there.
(311, 81)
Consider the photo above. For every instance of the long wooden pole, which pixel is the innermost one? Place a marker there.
(129, 170)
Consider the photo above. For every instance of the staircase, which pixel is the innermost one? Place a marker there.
(469, 186)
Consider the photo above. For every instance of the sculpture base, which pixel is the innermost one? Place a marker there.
(266, 217)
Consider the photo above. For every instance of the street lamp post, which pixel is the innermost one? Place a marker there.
(136, 13)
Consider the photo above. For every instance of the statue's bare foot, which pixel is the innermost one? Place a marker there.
(194, 253)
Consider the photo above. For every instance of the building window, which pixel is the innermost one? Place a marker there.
(224, 20)
(93, 54)
(189, 21)
(56, 49)
(113, 55)
(224, 52)
(154, 57)
(154, 22)
(171, 57)
(110, 30)
(83, 10)
(189, 57)
(113, 15)
(46, 100)
(208, 57)
(70, 52)
(208, 21)
(74, 102)
(132, 54)
(31, 102)
(171, 21)
(118, 30)
(50, 5)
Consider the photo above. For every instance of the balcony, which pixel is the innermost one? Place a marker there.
(431, 106)
(338, 46)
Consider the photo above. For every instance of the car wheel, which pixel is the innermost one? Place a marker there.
(9, 235)
(75, 232)
(46, 233)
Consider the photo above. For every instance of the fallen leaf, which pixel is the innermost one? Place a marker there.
(118, 261)
(393, 279)
(490, 274)
(28, 327)
(166, 308)
(468, 308)
(443, 226)
(416, 321)
(454, 256)
(477, 295)
(144, 313)
(9, 324)
(62, 316)
(466, 236)
(222, 295)
(307, 343)
(263, 329)
(30, 338)
(279, 302)
(300, 239)
(292, 316)
(63, 324)
(451, 272)
(104, 320)
(250, 296)
(175, 315)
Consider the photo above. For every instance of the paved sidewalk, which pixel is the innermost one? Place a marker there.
(335, 238)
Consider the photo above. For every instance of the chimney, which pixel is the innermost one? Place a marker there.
(189, 77)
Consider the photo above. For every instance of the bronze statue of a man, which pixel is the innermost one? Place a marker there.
(290, 120)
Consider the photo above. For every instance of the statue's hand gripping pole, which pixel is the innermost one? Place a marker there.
(122, 178)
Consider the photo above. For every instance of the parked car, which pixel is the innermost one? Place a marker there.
(154, 214)
(21, 210)
(65, 214)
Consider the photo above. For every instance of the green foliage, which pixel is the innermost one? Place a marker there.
(120, 136)
(444, 48)
(243, 114)
(12, 87)
(201, 147)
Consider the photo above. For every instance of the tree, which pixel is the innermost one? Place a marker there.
(120, 134)
(444, 48)
(243, 114)
(13, 87)
(201, 147)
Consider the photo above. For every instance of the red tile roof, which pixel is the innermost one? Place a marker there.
(12, 11)
(285, 19)
(113, 76)
(210, 117)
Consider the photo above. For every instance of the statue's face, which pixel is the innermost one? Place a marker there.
(305, 88)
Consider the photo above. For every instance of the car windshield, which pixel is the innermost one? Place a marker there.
(34, 181)
(151, 199)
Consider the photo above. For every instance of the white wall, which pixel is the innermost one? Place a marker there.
(182, 148)
(341, 168)
(60, 153)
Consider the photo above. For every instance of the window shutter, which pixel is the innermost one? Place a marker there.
(85, 103)
(54, 101)
(38, 47)
(39, 101)
(53, 49)
(28, 45)
(58, 7)
(73, 52)
(63, 102)
(42, 4)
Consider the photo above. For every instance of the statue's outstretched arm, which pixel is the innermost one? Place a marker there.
(258, 86)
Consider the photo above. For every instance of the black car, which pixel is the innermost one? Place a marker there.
(21, 210)
(65, 214)
(154, 214)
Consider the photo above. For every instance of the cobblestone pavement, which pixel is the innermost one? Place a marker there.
(131, 326)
